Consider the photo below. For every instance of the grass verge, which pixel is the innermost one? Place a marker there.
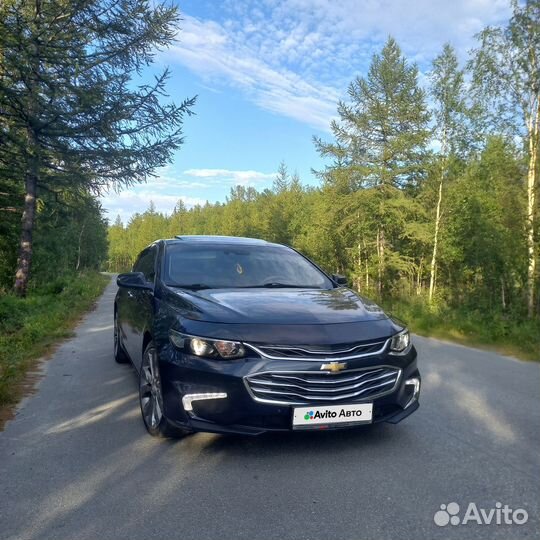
(492, 331)
(30, 327)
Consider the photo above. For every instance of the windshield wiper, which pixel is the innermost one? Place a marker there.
(277, 285)
(269, 285)
(191, 286)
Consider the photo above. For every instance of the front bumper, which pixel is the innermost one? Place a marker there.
(184, 375)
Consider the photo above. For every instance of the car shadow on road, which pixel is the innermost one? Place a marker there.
(272, 443)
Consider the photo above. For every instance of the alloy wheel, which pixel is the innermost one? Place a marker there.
(150, 390)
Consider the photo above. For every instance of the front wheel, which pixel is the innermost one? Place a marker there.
(151, 398)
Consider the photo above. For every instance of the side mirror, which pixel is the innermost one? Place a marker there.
(339, 279)
(133, 280)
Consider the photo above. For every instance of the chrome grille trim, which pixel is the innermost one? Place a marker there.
(275, 387)
(321, 398)
(315, 381)
(253, 382)
(319, 355)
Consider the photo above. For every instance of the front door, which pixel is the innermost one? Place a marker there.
(138, 307)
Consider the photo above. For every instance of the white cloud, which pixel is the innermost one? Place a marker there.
(134, 201)
(165, 184)
(213, 51)
(169, 187)
(296, 57)
(168, 179)
(233, 178)
(348, 27)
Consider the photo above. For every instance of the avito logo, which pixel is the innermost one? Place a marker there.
(320, 415)
(500, 515)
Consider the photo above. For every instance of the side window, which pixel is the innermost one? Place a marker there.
(146, 263)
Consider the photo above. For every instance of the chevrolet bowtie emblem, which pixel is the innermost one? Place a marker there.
(334, 367)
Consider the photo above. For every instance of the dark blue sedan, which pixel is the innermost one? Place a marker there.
(237, 335)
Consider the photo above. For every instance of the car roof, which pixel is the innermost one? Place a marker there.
(215, 239)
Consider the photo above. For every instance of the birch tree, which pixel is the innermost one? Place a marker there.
(450, 131)
(506, 76)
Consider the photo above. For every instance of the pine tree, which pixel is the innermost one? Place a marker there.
(380, 143)
(73, 116)
(381, 137)
(281, 181)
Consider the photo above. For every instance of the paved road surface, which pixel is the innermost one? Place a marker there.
(76, 463)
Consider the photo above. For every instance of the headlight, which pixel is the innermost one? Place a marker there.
(207, 348)
(200, 347)
(400, 341)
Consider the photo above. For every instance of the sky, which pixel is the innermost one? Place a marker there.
(268, 75)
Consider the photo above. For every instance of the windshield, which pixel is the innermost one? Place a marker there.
(227, 266)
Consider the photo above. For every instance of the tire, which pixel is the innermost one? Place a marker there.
(120, 355)
(151, 399)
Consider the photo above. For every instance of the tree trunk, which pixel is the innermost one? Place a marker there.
(419, 277)
(79, 249)
(379, 265)
(366, 264)
(24, 260)
(380, 253)
(433, 266)
(358, 278)
(531, 188)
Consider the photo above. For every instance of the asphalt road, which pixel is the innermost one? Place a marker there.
(76, 463)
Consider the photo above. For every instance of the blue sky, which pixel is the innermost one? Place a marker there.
(268, 74)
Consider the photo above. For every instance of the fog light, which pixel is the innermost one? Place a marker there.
(415, 383)
(189, 398)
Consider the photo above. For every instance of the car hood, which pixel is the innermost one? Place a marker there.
(274, 306)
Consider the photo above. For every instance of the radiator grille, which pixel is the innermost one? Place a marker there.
(311, 387)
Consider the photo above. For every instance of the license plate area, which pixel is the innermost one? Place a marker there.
(335, 415)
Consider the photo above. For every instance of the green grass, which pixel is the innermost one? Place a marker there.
(488, 330)
(31, 326)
